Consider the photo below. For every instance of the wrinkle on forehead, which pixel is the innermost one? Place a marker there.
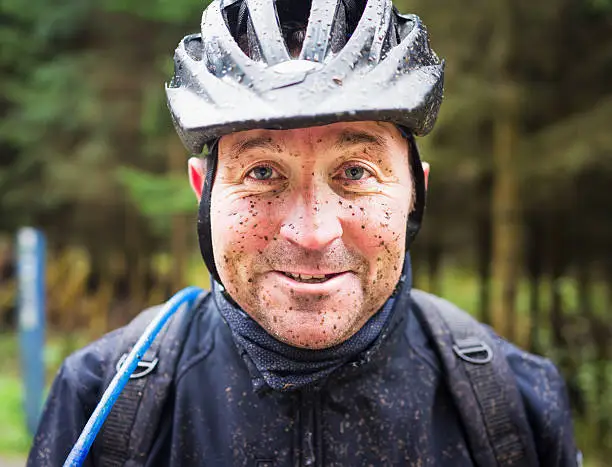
(254, 142)
(337, 135)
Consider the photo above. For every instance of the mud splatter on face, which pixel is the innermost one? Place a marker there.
(309, 226)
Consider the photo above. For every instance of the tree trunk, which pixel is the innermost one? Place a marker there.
(505, 216)
(534, 271)
(558, 266)
(506, 243)
(605, 357)
(136, 269)
(601, 335)
(483, 250)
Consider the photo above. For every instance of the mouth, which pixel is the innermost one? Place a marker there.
(315, 284)
(310, 278)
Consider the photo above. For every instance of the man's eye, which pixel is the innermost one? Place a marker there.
(263, 172)
(355, 173)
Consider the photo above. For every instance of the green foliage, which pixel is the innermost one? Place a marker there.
(170, 11)
(36, 28)
(600, 5)
(54, 98)
(158, 197)
(154, 119)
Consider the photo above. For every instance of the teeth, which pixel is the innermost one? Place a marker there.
(306, 277)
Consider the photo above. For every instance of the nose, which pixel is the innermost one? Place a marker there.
(312, 222)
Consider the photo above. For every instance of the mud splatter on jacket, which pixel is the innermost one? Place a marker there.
(392, 410)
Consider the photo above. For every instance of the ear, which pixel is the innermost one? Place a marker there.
(197, 175)
(426, 170)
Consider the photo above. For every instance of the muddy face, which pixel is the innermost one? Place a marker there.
(309, 225)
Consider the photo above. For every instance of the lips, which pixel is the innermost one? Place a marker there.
(309, 278)
(328, 285)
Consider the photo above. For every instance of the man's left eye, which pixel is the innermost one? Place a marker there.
(356, 173)
(263, 173)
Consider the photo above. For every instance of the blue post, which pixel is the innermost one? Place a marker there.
(31, 319)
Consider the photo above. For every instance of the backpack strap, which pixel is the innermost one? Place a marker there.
(129, 431)
(481, 383)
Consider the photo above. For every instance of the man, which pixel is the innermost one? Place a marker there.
(312, 349)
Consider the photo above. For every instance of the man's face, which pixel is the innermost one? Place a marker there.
(309, 225)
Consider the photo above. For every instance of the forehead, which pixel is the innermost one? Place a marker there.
(380, 136)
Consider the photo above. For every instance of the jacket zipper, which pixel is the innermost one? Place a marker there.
(310, 442)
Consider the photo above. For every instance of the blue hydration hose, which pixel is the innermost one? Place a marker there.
(83, 444)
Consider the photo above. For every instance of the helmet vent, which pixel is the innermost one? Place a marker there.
(194, 47)
(354, 11)
(236, 17)
(307, 29)
(255, 26)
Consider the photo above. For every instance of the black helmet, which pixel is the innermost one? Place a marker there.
(281, 64)
(360, 60)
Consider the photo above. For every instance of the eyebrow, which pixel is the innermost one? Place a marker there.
(258, 142)
(353, 138)
(346, 139)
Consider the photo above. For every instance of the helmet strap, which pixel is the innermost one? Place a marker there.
(204, 224)
(415, 217)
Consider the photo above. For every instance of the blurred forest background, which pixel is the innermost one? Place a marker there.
(519, 225)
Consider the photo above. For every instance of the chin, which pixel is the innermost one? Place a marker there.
(306, 320)
(310, 335)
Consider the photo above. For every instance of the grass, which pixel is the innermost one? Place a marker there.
(15, 440)
(14, 437)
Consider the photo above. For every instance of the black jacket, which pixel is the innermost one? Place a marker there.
(393, 410)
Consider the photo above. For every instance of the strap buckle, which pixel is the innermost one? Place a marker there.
(144, 366)
(473, 351)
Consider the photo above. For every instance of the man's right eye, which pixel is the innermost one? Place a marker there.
(263, 173)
